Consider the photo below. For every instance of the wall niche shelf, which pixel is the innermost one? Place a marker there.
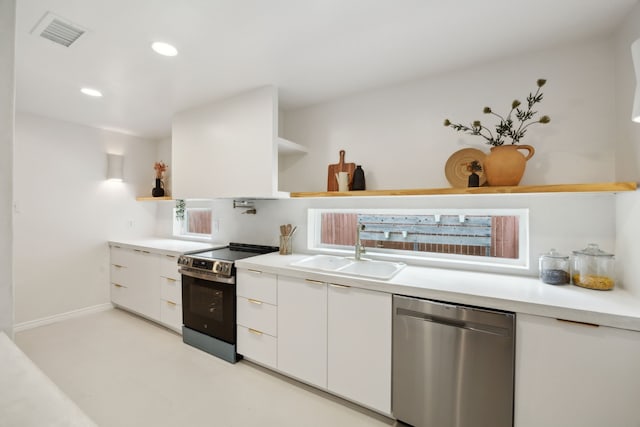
(606, 187)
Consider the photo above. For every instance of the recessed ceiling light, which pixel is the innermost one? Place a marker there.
(91, 92)
(164, 49)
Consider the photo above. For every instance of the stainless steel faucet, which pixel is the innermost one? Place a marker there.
(359, 246)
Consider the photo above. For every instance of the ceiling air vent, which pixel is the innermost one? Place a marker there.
(58, 30)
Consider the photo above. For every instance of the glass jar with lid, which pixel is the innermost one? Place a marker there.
(554, 268)
(593, 268)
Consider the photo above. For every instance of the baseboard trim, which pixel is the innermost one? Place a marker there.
(62, 316)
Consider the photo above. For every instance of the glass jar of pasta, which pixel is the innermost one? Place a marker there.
(593, 268)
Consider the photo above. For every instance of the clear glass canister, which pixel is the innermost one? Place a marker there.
(593, 268)
(554, 268)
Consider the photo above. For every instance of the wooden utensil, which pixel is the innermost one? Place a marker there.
(332, 182)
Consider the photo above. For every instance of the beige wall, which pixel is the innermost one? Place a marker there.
(7, 96)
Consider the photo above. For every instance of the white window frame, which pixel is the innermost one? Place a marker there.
(179, 227)
(314, 244)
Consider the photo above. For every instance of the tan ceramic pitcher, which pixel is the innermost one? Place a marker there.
(505, 164)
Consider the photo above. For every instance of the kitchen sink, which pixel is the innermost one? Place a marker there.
(364, 268)
(323, 262)
(370, 268)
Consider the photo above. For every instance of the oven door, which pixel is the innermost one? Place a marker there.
(208, 306)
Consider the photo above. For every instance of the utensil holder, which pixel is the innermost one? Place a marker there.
(285, 245)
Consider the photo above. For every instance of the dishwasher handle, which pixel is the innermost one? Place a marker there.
(455, 323)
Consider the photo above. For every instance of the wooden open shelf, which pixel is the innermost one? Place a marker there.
(610, 187)
(153, 199)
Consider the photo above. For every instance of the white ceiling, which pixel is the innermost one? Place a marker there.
(312, 50)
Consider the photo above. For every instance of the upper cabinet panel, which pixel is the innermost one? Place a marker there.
(228, 148)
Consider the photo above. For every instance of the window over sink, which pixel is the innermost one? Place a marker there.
(480, 237)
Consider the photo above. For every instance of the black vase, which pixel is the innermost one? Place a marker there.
(158, 191)
(474, 180)
(358, 179)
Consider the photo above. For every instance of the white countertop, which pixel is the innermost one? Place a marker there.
(166, 246)
(616, 308)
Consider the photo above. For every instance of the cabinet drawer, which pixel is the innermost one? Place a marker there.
(257, 346)
(258, 315)
(171, 314)
(171, 289)
(169, 267)
(120, 295)
(121, 256)
(120, 274)
(257, 285)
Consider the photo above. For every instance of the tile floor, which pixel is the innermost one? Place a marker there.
(125, 371)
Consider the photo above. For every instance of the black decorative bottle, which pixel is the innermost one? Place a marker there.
(158, 191)
(474, 180)
(358, 179)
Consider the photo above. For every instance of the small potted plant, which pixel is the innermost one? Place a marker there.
(505, 165)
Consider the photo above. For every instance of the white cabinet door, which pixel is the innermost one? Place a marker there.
(359, 346)
(144, 287)
(575, 375)
(302, 329)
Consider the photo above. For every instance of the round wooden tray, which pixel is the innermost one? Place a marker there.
(456, 167)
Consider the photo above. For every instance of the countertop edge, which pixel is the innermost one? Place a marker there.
(165, 246)
(526, 295)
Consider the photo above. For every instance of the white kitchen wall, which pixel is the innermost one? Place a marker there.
(396, 133)
(627, 156)
(562, 221)
(7, 97)
(66, 212)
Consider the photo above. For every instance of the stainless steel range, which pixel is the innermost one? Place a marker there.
(209, 297)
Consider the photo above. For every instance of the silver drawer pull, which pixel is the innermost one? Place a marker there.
(118, 266)
(314, 282)
(171, 303)
(169, 279)
(253, 301)
(335, 285)
(254, 271)
(118, 286)
(254, 332)
(170, 256)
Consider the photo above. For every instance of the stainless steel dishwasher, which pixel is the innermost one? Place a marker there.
(453, 365)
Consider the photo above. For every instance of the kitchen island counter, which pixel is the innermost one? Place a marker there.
(527, 295)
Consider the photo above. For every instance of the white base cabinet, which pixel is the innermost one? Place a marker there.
(134, 281)
(148, 284)
(302, 329)
(257, 316)
(337, 338)
(575, 375)
(170, 284)
(359, 345)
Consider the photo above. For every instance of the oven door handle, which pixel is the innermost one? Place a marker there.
(210, 277)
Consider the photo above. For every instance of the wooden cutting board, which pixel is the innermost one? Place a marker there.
(332, 182)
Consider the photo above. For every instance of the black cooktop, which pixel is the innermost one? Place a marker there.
(234, 252)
